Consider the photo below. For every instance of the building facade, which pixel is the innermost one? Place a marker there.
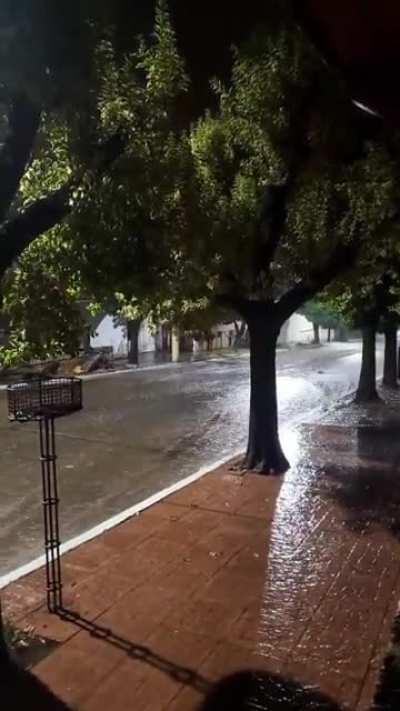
(111, 335)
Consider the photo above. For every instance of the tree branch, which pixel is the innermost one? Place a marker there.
(270, 227)
(341, 260)
(24, 121)
(231, 301)
(18, 233)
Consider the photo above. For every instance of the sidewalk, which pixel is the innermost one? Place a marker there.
(296, 576)
(152, 360)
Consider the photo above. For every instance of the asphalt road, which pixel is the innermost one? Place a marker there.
(139, 432)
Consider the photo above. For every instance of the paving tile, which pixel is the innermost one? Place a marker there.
(190, 528)
(179, 582)
(259, 506)
(117, 691)
(137, 616)
(228, 658)
(90, 556)
(71, 674)
(184, 651)
(97, 593)
(20, 598)
(186, 700)
(50, 626)
(210, 556)
(247, 629)
(210, 618)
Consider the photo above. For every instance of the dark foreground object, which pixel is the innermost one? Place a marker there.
(22, 691)
(258, 691)
(388, 694)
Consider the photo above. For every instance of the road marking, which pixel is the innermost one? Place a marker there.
(117, 519)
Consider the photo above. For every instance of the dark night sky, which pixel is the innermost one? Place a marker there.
(206, 30)
(361, 35)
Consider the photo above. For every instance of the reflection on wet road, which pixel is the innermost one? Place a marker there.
(332, 579)
(140, 432)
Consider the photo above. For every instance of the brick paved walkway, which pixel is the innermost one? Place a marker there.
(297, 576)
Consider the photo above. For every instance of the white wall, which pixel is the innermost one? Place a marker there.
(296, 330)
(224, 335)
(107, 334)
(299, 330)
(147, 339)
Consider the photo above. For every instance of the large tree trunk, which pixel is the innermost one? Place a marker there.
(86, 342)
(366, 391)
(329, 336)
(316, 340)
(390, 360)
(133, 328)
(264, 452)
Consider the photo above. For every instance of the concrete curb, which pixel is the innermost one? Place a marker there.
(116, 519)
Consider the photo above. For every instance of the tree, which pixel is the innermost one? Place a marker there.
(132, 271)
(290, 199)
(125, 227)
(322, 314)
(390, 362)
(369, 298)
(266, 201)
(198, 318)
(131, 315)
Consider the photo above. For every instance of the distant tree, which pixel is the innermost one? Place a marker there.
(199, 318)
(131, 315)
(369, 299)
(322, 314)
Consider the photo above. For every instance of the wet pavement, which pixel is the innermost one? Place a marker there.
(283, 587)
(140, 432)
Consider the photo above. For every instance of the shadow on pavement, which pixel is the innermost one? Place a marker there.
(182, 675)
(22, 691)
(19, 689)
(369, 491)
(387, 696)
(259, 691)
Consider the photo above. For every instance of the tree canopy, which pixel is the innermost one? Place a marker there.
(42, 300)
(257, 206)
(49, 86)
(323, 312)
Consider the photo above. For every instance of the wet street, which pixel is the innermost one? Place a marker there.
(140, 432)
